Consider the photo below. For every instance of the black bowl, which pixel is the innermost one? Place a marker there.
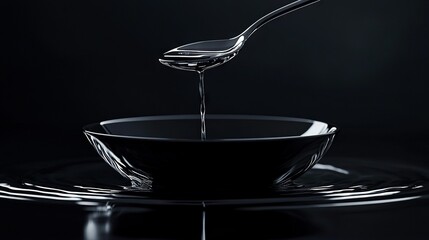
(241, 154)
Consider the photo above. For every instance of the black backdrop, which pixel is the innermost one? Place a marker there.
(359, 64)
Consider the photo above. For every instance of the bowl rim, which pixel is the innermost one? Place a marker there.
(331, 129)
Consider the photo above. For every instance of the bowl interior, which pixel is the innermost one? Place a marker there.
(219, 127)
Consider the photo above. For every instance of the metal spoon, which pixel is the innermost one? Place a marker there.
(200, 56)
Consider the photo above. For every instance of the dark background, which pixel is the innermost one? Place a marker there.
(359, 64)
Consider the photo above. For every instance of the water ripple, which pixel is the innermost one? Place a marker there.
(338, 182)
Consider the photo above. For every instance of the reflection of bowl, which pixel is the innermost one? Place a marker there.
(241, 154)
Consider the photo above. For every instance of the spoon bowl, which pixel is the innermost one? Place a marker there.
(203, 55)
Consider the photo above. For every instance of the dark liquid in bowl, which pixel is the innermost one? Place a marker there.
(221, 127)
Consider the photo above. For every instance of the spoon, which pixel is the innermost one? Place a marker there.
(203, 55)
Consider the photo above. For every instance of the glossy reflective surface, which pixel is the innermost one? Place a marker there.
(240, 154)
(338, 182)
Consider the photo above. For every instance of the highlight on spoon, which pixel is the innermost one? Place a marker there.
(202, 55)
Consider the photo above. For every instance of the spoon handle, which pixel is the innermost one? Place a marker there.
(275, 14)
